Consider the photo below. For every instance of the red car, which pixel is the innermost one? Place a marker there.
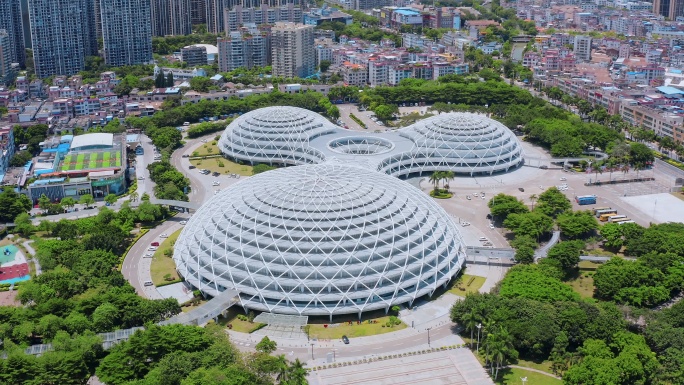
(154, 244)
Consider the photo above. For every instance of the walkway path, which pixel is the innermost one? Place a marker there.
(32, 252)
(544, 250)
(534, 370)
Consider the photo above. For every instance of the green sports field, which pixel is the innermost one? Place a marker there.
(90, 161)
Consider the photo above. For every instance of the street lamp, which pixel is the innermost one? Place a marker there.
(479, 326)
(428, 330)
(334, 358)
(312, 355)
(523, 379)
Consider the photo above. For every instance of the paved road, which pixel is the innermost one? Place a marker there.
(136, 266)
(358, 347)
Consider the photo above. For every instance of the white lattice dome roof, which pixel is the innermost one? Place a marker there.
(464, 143)
(278, 134)
(320, 240)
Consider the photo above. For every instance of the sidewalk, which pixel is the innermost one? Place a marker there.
(357, 341)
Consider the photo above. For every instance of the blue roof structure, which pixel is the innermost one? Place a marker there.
(670, 90)
(407, 12)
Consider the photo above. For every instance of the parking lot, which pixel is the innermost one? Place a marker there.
(534, 181)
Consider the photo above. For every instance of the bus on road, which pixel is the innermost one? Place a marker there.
(586, 199)
(605, 217)
(600, 213)
(595, 210)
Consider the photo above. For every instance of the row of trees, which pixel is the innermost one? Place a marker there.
(170, 183)
(80, 288)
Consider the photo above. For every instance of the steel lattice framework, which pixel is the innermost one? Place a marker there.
(465, 143)
(320, 239)
(275, 135)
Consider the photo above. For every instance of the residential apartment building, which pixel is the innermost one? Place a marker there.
(6, 147)
(126, 32)
(7, 72)
(354, 74)
(171, 17)
(582, 48)
(244, 49)
(240, 15)
(292, 50)
(668, 8)
(11, 22)
(61, 36)
(194, 55)
(198, 11)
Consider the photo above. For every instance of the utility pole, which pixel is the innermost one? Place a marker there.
(312, 354)
(428, 330)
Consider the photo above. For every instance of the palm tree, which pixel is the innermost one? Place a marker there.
(470, 321)
(134, 196)
(296, 374)
(446, 177)
(533, 199)
(282, 368)
(487, 328)
(435, 178)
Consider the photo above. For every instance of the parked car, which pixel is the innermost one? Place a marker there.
(148, 283)
(153, 248)
(192, 167)
(164, 235)
(183, 222)
(154, 243)
(141, 178)
(185, 156)
(215, 173)
(345, 340)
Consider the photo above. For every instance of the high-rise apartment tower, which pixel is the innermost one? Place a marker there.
(61, 36)
(11, 22)
(126, 32)
(292, 50)
(171, 17)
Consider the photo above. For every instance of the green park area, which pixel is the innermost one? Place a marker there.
(210, 148)
(163, 267)
(514, 376)
(372, 323)
(222, 165)
(467, 284)
(237, 320)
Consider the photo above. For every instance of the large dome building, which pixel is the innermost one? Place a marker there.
(467, 144)
(320, 239)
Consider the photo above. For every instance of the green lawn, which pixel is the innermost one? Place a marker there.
(105, 159)
(161, 264)
(80, 158)
(237, 325)
(208, 148)
(117, 158)
(467, 284)
(229, 167)
(542, 365)
(583, 284)
(513, 376)
(318, 330)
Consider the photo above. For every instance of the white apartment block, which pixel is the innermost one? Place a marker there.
(243, 50)
(236, 16)
(292, 50)
(582, 48)
(354, 74)
(126, 32)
